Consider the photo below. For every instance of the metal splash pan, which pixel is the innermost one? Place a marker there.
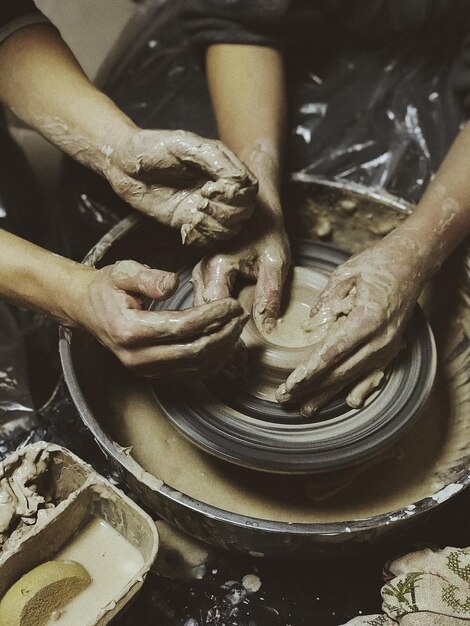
(368, 215)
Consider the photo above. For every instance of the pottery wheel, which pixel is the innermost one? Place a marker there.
(238, 419)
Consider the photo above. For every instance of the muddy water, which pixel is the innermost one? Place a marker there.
(111, 562)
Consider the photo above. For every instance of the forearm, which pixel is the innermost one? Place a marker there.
(441, 220)
(37, 279)
(248, 92)
(41, 81)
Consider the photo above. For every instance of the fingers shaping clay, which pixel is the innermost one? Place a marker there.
(34, 598)
(239, 418)
(275, 354)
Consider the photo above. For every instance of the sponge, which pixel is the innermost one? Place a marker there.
(43, 590)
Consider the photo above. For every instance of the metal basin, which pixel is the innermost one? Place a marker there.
(89, 370)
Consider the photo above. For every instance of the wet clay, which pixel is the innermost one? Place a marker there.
(273, 355)
(351, 224)
(111, 562)
(252, 583)
(21, 503)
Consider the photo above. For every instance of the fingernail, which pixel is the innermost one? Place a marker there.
(268, 324)
(281, 394)
(308, 410)
(169, 282)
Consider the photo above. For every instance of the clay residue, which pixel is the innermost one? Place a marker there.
(412, 470)
(21, 503)
(351, 224)
(252, 583)
(179, 555)
(295, 336)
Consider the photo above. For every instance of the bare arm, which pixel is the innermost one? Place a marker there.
(108, 304)
(182, 180)
(37, 279)
(442, 218)
(369, 299)
(248, 92)
(41, 81)
(247, 88)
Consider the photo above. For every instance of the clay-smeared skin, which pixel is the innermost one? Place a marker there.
(246, 85)
(261, 252)
(109, 303)
(190, 343)
(369, 300)
(193, 184)
(184, 181)
(176, 177)
(366, 304)
(20, 501)
(250, 104)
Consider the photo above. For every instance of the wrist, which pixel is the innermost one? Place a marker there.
(413, 247)
(440, 222)
(104, 156)
(263, 158)
(75, 295)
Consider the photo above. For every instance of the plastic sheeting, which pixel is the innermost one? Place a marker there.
(18, 421)
(379, 115)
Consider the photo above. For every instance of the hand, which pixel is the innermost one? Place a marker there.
(261, 253)
(190, 343)
(361, 315)
(193, 184)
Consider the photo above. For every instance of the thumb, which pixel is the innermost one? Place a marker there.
(212, 280)
(136, 278)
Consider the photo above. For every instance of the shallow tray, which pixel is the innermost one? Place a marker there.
(80, 495)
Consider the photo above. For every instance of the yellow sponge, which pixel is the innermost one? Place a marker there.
(45, 589)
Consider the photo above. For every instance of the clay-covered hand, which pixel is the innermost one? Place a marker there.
(359, 318)
(190, 343)
(196, 185)
(261, 253)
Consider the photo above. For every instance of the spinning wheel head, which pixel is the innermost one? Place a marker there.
(240, 421)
